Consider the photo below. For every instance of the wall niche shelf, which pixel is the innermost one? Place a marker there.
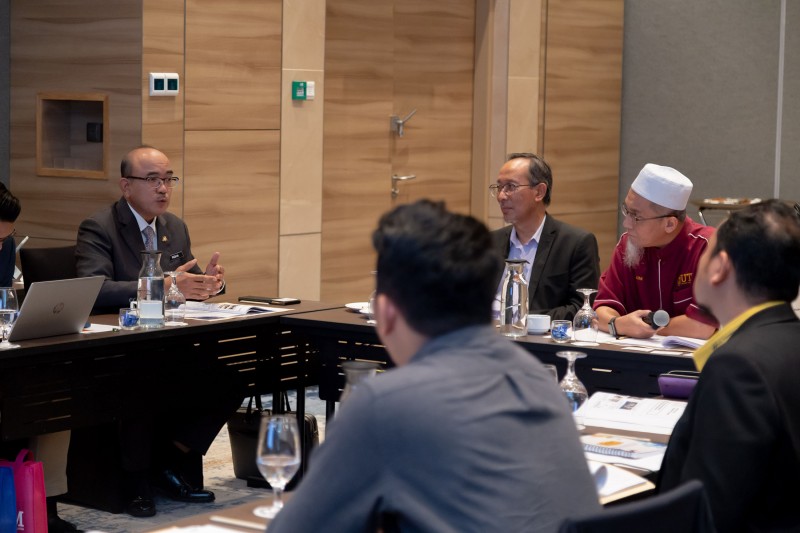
(72, 134)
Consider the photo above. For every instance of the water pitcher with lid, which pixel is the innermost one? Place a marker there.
(150, 294)
(514, 300)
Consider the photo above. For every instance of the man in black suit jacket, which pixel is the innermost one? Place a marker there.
(110, 241)
(565, 258)
(109, 244)
(740, 433)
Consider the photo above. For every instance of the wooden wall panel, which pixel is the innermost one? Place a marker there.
(583, 95)
(231, 204)
(53, 50)
(233, 64)
(388, 57)
(162, 51)
(356, 147)
(433, 73)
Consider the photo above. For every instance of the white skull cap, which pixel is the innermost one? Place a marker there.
(663, 186)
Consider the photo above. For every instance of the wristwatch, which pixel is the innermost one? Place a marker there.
(612, 329)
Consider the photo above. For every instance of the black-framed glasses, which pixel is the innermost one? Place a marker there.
(508, 188)
(9, 236)
(156, 181)
(636, 218)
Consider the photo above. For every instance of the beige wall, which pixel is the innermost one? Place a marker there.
(251, 158)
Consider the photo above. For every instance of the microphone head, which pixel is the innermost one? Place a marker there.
(657, 319)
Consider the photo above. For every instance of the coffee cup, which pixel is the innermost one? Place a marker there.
(538, 324)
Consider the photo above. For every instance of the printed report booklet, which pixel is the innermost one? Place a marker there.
(650, 418)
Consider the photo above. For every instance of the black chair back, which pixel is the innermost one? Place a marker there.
(46, 264)
(684, 508)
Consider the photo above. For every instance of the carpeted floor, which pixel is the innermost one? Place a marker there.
(219, 477)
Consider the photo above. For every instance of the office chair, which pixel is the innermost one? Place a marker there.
(46, 264)
(684, 508)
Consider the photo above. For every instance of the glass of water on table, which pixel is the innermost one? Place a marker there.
(8, 315)
(277, 457)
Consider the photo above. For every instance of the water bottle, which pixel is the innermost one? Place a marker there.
(150, 293)
(514, 300)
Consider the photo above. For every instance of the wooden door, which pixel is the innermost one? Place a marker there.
(383, 58)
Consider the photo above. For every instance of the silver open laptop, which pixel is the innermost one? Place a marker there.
(55, 308)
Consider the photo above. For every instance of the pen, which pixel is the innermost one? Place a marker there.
(237, 522)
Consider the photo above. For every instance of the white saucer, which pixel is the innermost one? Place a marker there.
(538, 331)
(358, 307)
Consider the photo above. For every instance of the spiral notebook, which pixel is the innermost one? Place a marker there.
(620, 446)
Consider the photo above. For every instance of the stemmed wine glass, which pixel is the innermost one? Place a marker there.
(8, 314)
(573, 388)
(174, 303)
(585, 325)
(277, 457)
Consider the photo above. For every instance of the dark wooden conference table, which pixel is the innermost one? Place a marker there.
(339, 334)
(79, 380)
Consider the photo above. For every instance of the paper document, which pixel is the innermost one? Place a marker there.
(629, 415)
(223, 310)
(612, 481)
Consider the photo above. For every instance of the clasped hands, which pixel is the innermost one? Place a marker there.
(200, 286)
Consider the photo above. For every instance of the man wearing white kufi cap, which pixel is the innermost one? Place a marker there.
(655, 260)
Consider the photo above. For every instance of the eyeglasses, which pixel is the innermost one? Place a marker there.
(636, 218)
(9, 236)
(508, 188)
(156, 182)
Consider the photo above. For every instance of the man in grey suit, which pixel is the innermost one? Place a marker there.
(740, 432)
(110, 241)
(561, 258)
(164, 451)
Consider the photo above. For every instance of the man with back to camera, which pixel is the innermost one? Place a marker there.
(740, 432)
(561, 258)
(655, 261)
(469, 432)
(158, 446)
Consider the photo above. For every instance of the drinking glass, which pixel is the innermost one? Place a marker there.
(174, 303)
(8, 314)
(561, 331)
(585, 325)
(277, 457)
(553, 371)
(574, 390)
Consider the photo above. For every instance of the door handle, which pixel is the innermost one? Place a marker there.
(396, 123)
(396, 178)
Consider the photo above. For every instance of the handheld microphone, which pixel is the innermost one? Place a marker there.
(656, 319)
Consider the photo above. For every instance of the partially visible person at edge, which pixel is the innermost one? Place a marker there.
(740, 432)
(560, 258)
(50, 448)
(654, 263)
(468, 432)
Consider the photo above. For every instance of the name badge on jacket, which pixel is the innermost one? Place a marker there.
(176, 256)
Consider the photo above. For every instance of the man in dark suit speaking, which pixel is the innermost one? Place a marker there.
(740, 432)
(561, 258)
(157, 446)
(110, 241)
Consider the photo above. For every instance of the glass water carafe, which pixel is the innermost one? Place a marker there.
(150, 294)
(356, 372)
(514, 300)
